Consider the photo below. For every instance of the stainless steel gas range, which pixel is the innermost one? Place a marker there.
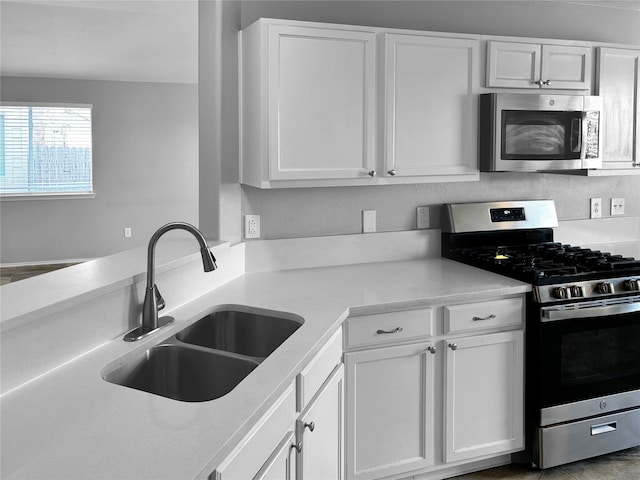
(582, 394)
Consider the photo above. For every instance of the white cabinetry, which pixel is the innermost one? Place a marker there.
(484, 379)
(320, 425)
(308, 96)
(617, 83)
(286, 446)
(433, 389)
(483, 395)
(389, 394)
(537, 65)
(262, 454)
(320, 433)
(430, 105)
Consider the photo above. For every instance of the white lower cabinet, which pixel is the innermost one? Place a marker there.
(320, 433)
(483, 395)
(262, 454)
(389, 410)
(301, 436)
(436, 395)
(281, 464)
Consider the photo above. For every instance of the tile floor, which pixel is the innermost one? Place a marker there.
(13, 274)
(624, 465)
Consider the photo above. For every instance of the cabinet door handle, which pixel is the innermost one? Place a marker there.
(432, 350)
(490, 317)
(453, 346)
(547, 82)
(395, 330)
(297, 447)
(311, 426)
(372, 173)
(538, 82)
(392, 172)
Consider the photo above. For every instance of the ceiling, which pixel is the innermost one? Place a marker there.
(127, 40)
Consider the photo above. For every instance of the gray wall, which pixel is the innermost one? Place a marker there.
(325, 211)
(145, 138)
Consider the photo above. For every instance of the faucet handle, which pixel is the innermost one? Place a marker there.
(159, 300)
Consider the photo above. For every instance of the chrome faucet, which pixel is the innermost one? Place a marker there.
(153, 301)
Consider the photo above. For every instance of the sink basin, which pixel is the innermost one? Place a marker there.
(252, 332)
(182, 373)
(208, 359)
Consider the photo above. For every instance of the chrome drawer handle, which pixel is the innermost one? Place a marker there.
(490, 317)
(396, 330)
(297, 447)
(453, 346)
(432, 350)
(311, 426)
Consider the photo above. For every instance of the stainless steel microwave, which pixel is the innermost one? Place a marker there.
(530, 132)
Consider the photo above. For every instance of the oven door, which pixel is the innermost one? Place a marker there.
(586, 351)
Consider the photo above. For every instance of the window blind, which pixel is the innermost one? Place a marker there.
(45, 149)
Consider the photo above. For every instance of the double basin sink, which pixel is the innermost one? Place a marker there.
(207, 359)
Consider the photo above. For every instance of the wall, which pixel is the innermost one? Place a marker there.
(145, 170)
(325, 211)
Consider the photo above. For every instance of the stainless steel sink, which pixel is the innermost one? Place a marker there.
(208, 359)
(182, 373)
(256, 333)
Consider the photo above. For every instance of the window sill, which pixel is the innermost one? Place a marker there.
(45, 196)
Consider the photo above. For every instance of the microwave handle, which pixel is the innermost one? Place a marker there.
(579, 124)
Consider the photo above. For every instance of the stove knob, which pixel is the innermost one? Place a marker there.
(604, 288)
(560, 292)
(632, 284)
(577, 291)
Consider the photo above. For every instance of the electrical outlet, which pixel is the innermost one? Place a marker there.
(368, 221)
(422, 217)
(127, 232)
(596, 207)
(617, 206)
(252, 226)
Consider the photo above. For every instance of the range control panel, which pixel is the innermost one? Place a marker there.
(507, 214)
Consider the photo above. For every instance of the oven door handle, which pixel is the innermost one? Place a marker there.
(551, 314)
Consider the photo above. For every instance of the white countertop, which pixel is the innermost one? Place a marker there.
(71, 424)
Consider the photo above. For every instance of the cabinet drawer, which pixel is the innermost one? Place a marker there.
(480, 315)
(309, 380)
(386, 328)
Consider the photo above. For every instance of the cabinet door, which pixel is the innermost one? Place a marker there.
(430, 115)
(321, 103)
(533, 65)
(566, 67)
(281, 464)
(617, 83)
(389, 423)
(484, 395)
(514, 65)
(320, 431)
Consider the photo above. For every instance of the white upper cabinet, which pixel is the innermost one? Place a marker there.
(536, 65)
(617, 83)
(430, 105)
(308, 97)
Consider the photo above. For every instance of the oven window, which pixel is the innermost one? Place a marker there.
(539, 135)
(599, 356)
(585, 358)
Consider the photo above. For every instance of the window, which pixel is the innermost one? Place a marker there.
(45, 149)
